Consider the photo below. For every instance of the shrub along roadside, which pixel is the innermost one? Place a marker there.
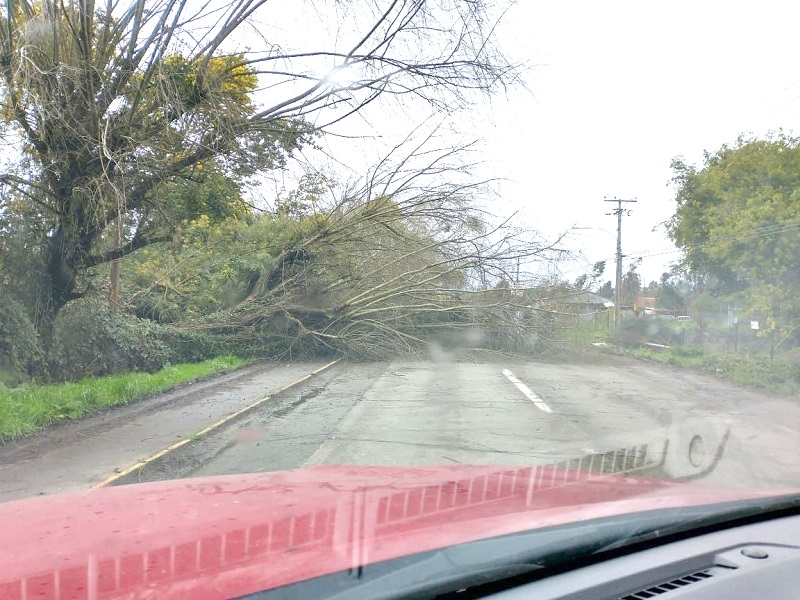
(780, 376)
(29, 407)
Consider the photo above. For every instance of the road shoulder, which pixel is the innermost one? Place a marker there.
(79, 454)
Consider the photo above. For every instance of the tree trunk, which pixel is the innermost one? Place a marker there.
(60, 284)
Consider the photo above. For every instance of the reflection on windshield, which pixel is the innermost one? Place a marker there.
(355, 522)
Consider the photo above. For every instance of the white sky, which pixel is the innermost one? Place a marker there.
(616, 89)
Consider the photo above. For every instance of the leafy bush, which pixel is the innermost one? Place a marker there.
(89, 341)
(635, 332)
(779, 376)
(688, 351)
(191, 346)
(20, 351)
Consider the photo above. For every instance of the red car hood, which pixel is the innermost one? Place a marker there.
(229, 536)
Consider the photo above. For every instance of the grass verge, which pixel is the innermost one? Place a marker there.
(29, 407)
(587, 332)
(780, 376)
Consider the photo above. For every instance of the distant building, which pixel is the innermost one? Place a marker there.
(645, 306)
(584, 303)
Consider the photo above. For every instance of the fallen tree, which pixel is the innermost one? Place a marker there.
(403, 259)
(113, 113)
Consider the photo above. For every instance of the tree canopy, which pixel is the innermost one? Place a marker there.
(738, 222)
(128, 118)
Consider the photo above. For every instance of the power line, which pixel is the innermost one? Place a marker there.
(766, 231)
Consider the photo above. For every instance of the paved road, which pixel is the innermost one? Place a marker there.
(404, 414)
(423, 413)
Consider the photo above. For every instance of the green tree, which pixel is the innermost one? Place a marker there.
(631, 284)
(738, 222)
(606, 290)
(672, 293)
(121, 109)
(589, 280)
(119, 132)
(208, 267)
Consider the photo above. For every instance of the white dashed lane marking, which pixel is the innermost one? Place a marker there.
(530, 395)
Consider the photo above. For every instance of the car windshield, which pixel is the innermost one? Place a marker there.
(516, 257)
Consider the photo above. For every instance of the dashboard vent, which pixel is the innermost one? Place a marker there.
(669, 586)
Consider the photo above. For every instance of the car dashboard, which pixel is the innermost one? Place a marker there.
(758, 560)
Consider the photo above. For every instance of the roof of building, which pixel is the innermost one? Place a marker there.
(586, 297)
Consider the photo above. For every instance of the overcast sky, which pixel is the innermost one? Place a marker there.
(615, 90)
(620, 88)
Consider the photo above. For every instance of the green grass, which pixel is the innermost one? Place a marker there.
(29, 407)
(780, 376)
(585, 332)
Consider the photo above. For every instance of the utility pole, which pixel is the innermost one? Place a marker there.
(618, 287)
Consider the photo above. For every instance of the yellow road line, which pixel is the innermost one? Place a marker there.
(210, 428)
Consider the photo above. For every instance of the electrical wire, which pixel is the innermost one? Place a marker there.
(765, 231)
